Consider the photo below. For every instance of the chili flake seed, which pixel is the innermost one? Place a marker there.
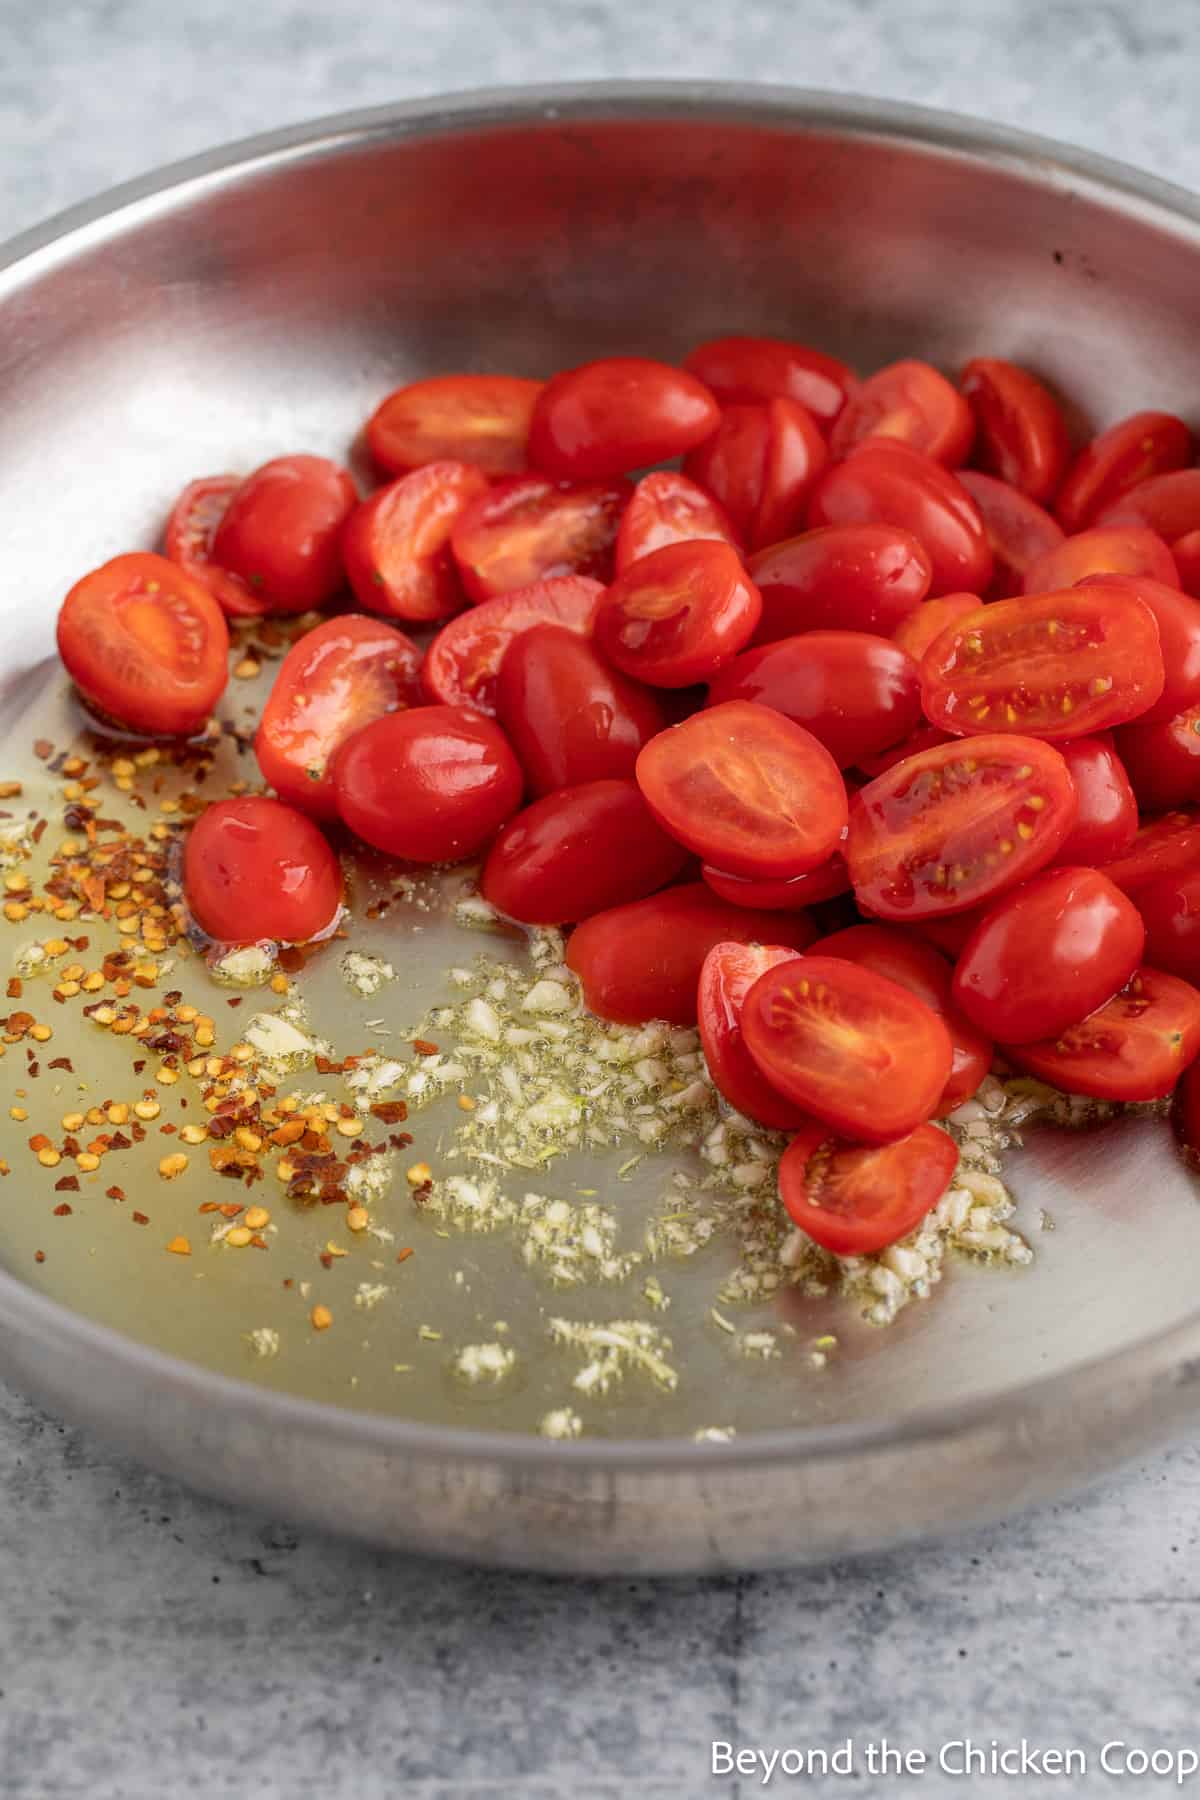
(358, 1218)
(193, 1134)
(349, 1127)
(173, 1165)
(49, 1158)
(178, 1246)
(418, 1174)
(147, 1109)
(321, 1318)
(238, 1237)
(257, 1217)
(87, 1160)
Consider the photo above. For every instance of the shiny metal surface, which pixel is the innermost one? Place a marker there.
(261, 299)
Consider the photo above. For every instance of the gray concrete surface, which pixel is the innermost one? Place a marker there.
(152, 1644)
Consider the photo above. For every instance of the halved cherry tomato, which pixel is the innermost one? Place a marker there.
(1162, 760)
(842, 578)
(746, 789)
(1018, 530)
(856, 1050)
(1133, 450)
(478, 419)
(643, 961)
(784, 894)
(1104, 550)
(1135, 1047)
(1168, 504)
(397, 544)
(1185, 554)
(463, 662)
(1177, 616)
(911, 402)
(432, 785)
(678, 615)
(761, 463)
(1170, 909)
(146, 643)
(854, 1201)
(668, 508)
(729, 972)
(282, 532)
(569, 715)
(577, 852)
(925, 737)
(619, 413)
(953, 826)
(1060, 665)
(1185, 1112)
(856, 693)
(743, 369)
(1047, 954)
(950, 935)
(1107, 818)
(257, 870)
(332, 681)
(1167, 846)
(1020, 432)
(189, 539)
(530, 529)
(916, 632)
(889, 484)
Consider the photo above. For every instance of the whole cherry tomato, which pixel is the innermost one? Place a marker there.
(189, 540)
(856, 693)
(397, 544)
(477, 419)
(1104, 550)
(668, 508)
(782, 894)
(678, 615)
(1168, 504)
(1020, 432)
(282, 532)
(577, 852)
(569, 716)
(1185, 1112)
(463, 662)
(1185, 554)
(911, 402)
(743, 369)
(1019, 531)
(1131, 451)
(1168, 846)
(619, 413)
(916, 632)
(761, 463)
(256, 870)
(746, 789)
(433, 785)
(530, 529)
(848, 578)
(146, 643)
(728, 974)
(1177, 616)
(1170, 909)
(1107, 819)
(854, 1200)
(892, 485)
(1162, 760)
(1135, 1047)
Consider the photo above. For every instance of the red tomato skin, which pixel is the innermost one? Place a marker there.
(643, 961)
(740, 370)
(761, 463)
(1185, 554)
(333, 680)
(281, 532)
(1166, 846)
(786, 894)
(912, 1176)
(1020, 431)
(1018, 530)
(255, 870)
(432, 786)
(841, 578)
(1185, 1113)
(477, 419)
(856, 693)
(1170, 909)
(678, 615)
(1135, 1047)
(191, 528)
(528, 529)
(1107, 818)
(1168, 504)
(1048, 954)
(667, 508)
(110, 635)
(892, 485)
(1134, 450)
(913, 403)
(396, 545)
(1177, 616)
(928, 621)
(569, 716)
(1104, 550)
(579, 851)
(619, 413)
(1162, 760)
(462, 665)
(728, 974)
(925, 737)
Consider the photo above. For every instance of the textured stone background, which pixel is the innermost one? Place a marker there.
(152, 1644)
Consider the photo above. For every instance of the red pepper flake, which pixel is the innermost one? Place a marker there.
(114, 1193)
(39, 1256)
(118, 1141)
(62, 1062)
(63, 1211)
(69, 1184)
(423, 1047)
(39, 830)
(14, 987)
(390, 1112)
(43, 749)
(139, 1218)
(326, 1260)
(404, 1255)
(236, 1001)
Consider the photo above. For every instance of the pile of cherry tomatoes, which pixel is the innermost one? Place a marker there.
(882, 654)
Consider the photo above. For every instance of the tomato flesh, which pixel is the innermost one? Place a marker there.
(1134, 450)
(1104, 550)
(619, 413)
(462, 665)
(668, 508)
(912, 402)
(760, 464)
(531, 529)
(856, 693)
(281, 532)
(1020, 431)
(478, 419)
(854, 1200)
(191, 529)
(1019, 531)
(850, 578)
(743, 369)
(1169, 845)
(678, 615)
(728, 974)
(397, 544)
(569, 716)
(889, 484)
(255, 870)
(1106, 818)
(1133, 1048)
(916, 632)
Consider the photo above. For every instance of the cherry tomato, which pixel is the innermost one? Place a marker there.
(786, 894)
(464, 659)
(925, 737)
(1132, 451)
(746, 789)
(856, 1050)
(1135, 1047)
(916, 632)
(729, 972)
(397, 543)
(146, 643)
(256, 870)
(911, 402)
(892, 485)
(743, 369)
(1168, 846)
(616, 414)
(1168, 504)
(1019, 531)
(569, 716)
(432, 785)
(1185, 1112)
(529, 529)
(951, 936)
(1185, 554)
(189, 538)
(1060, 665)
(577, 852)
(1170, 909)
(1107, 819)
(477, 419)
(953, 826)
(761, 463)
(678, 615)
(667, 508)
(1020, 432)
(1104, 550)
(850, 578)
(643, 961)
(854, 1201)
(282, 532)
(1162, 760)
(856, 693)
(1177, 616)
